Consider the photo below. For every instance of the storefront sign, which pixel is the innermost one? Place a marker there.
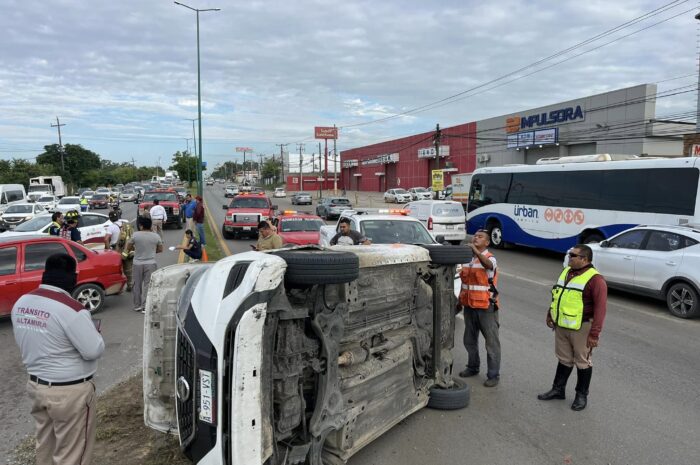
(438, 180)
(546, 136)
(530, 138)
(512, 141)
(380, 173)
(429, 152)
(325, 132)
(564, 115)
(382, 159)
(349, 163)
(525, 139)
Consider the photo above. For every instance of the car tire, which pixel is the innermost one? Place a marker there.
(448, 254)
(306, 267)
(453, 398)
(682, 300)
(496, 234)
(91, 296)
(226, 234)
(178, 225)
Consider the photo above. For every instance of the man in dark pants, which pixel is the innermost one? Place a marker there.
(576, 314)
(480, 300)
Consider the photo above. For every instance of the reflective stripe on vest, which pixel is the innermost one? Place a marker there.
(476, 289)
(566, 308)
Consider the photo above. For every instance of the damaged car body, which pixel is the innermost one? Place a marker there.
(299, 356)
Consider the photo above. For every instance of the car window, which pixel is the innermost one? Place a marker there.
(14, 196)
(79, 254)
(35, 255)
(449, 209)
(249, 202)
(35, 224)
(299, 225)
(8, 261)
(663, 241)
(629, 240)
(91, 220)
(38, 209)
(395, 231)
(20, 209)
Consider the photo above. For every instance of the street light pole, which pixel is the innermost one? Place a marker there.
(200, 175)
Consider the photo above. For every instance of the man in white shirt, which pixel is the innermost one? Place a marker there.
(60, 346)
(158, 216)
(113, 231)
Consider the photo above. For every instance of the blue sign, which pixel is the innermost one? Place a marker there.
(204, 165)
(555, 116)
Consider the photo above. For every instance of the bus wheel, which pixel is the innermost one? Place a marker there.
(496, 235)
(593, 237)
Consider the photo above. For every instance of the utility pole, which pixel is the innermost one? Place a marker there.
(260, 157)
(437, 155)
(320, 173)
(60, 142)
(301, 170)
(335, 165)
(281, 146)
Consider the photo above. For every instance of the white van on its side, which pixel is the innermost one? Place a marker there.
(442, 218)
(11, 194)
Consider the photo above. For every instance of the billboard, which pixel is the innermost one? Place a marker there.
(243, 149)
(325, 132)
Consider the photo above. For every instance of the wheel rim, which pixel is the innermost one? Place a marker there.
(90, 298)
(496, 236)
(682, 301)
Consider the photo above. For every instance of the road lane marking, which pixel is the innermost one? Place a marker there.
(216, 231)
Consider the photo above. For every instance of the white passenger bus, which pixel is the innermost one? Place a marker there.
(556, 206)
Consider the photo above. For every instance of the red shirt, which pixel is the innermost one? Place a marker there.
(595, 298)
(198, 215)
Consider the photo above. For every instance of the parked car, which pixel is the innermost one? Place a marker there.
(420, 193)
(662, 262)
(253, 359)
(68, 204)
(441, 217)
(22, 262)
(298, 228)
(331, 207)
(48, 202)
(18, 214)
(301, 198)
(397, 196)
(99, 201)
(230, 191)
(92, 227)
(279, 192)
(244, 213)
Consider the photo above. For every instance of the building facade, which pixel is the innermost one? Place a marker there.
(617, 122)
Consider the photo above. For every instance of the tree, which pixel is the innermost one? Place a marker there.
(272, 169)
(76, 159)
(185, 164)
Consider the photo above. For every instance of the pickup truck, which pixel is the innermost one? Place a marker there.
(299, 356)
(168, 200)
(244, 213)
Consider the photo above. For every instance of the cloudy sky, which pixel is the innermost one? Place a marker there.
(122, 74)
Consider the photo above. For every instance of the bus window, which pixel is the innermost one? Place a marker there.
(487, 189)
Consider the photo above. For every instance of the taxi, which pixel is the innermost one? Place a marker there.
(244, 213)
(298, 228)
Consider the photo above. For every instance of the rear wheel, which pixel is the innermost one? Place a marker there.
(319, 267)
(453, 398)
(496, 235)
(682, 301)
(91, 296)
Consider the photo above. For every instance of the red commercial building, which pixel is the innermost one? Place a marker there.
(409, 161)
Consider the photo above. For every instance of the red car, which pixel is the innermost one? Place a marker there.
(22, 262)
(298, 228)
(168, 199)
(245, 212)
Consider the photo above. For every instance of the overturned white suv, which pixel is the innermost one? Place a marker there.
(299, 356)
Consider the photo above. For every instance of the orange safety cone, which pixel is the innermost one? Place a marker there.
(204, 255)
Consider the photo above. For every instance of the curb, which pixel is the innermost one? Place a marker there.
(216, 231)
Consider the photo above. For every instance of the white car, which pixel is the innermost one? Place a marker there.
(279, 193)
(659, 261)
(300, 355)
(397, 196)
(442, 218)
(230, 191)
(381, 226)
(17, 214)
(92, 226)
(68, 203)
(47, 201)
(420, 193)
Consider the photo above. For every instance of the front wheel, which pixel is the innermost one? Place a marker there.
(226, 234)
(682, 301)
(496, 235)
(91, 296)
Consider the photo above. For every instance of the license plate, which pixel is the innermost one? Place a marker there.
(246, 228)
(206, 399)
(450, 226)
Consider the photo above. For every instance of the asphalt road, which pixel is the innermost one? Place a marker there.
(643, 405)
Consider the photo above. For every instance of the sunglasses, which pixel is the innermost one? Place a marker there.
(575, 255)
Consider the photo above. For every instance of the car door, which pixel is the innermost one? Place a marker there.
(617, 260)
(659, 260)
(92, 228)
(34, 259)
(9, 278)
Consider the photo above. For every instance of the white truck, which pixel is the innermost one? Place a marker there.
(46, 185)
(460, 188)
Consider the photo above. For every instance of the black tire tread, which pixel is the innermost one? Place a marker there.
(449, 254)
(454, 398)
(308, 268)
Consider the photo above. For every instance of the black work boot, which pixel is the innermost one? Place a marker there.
(582, 384)
(558, 390)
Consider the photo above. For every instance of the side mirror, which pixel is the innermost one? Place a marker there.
(274, 207)
(440, 239)
(604, 244)
(225, 207)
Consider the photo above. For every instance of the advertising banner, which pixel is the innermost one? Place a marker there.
(438, 180)
(325, 132)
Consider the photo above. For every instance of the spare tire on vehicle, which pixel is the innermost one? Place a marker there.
(453, 398)
(306, 267)
(449, 254)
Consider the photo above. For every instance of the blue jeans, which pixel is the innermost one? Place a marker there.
(200, 232)
(485, 322)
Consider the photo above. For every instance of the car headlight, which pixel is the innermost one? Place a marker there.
(229, 218)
